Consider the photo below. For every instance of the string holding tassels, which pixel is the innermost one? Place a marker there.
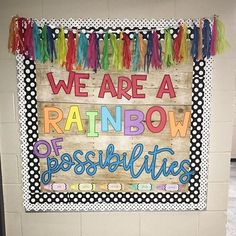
(134, 50)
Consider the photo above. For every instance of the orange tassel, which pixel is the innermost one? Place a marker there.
(142, 49)
(14, 40)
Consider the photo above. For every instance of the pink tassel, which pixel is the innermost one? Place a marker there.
(213, 38)
(28, 40)
(21, 46)
(70, 56)
(155, 59)
(91, 59)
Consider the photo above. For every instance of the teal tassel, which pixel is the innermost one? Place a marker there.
(82, 50)
(136, 53)
(37, 44)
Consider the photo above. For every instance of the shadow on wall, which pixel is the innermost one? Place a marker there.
(2, 220)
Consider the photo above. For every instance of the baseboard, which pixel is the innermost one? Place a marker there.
(233, 158)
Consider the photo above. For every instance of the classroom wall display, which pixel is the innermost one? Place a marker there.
(115, 114)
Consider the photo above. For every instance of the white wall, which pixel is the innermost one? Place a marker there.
(207, 223)
(234, 130)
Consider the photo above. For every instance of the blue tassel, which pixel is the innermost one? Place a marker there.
(206, 33)
(148, 56)
(136, 53)
(194, 49)
(51, 46)
(37, 44)
(82, 50)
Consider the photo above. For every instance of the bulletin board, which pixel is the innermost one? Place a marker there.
(98, 138)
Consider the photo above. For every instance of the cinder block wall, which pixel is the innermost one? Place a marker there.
(211, 222)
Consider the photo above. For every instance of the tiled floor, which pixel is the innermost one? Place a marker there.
(231, 225)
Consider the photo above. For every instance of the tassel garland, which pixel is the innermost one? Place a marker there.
(79, 51)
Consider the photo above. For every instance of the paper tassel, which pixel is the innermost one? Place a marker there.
(213, 38)
(82, 50)
(120, 52)
(136, 54)
(142, 50)
(155, 57)
(51, 45)
(25, 38)
(91, 61)
(21, 47)
(177, 43)
(16, 36)
(97, 54)
(61, 48)
(44, 45)
(105, 61)
(183, 51)
(28, 40)
(70, 56)
(221, 43)
(37, 43)
(76, 50)
(206, 31)
(199, 54)
(194, 49)
(168, 56)
(126, 51)
(93, 52)
(114, 47)
(148, 55)
(13, 38)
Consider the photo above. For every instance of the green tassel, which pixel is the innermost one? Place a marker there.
(168, 56)
(221, 42)
(105, 61)
(44, 45)
(114, 50)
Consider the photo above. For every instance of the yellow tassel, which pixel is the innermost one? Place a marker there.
(120, 53)
(61, 48)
